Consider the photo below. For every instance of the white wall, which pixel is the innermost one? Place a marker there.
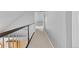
(8, 17)
(14, 19)
(56, 26)
(75, 29)
(25, 19)
(69, 29)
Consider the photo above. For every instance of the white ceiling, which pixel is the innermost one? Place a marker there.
(9, 17)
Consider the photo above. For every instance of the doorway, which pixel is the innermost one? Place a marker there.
(40, 20)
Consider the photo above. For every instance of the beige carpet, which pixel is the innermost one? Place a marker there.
(40, 40)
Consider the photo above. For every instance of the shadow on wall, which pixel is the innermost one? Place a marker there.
(50, 36)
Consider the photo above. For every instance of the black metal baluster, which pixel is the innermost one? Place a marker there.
(28, 34)
(3, 42)
(28, 37)
(8, 41)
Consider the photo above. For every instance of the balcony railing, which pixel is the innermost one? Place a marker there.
(16, 38)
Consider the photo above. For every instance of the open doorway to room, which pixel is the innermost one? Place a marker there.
(40, 20)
